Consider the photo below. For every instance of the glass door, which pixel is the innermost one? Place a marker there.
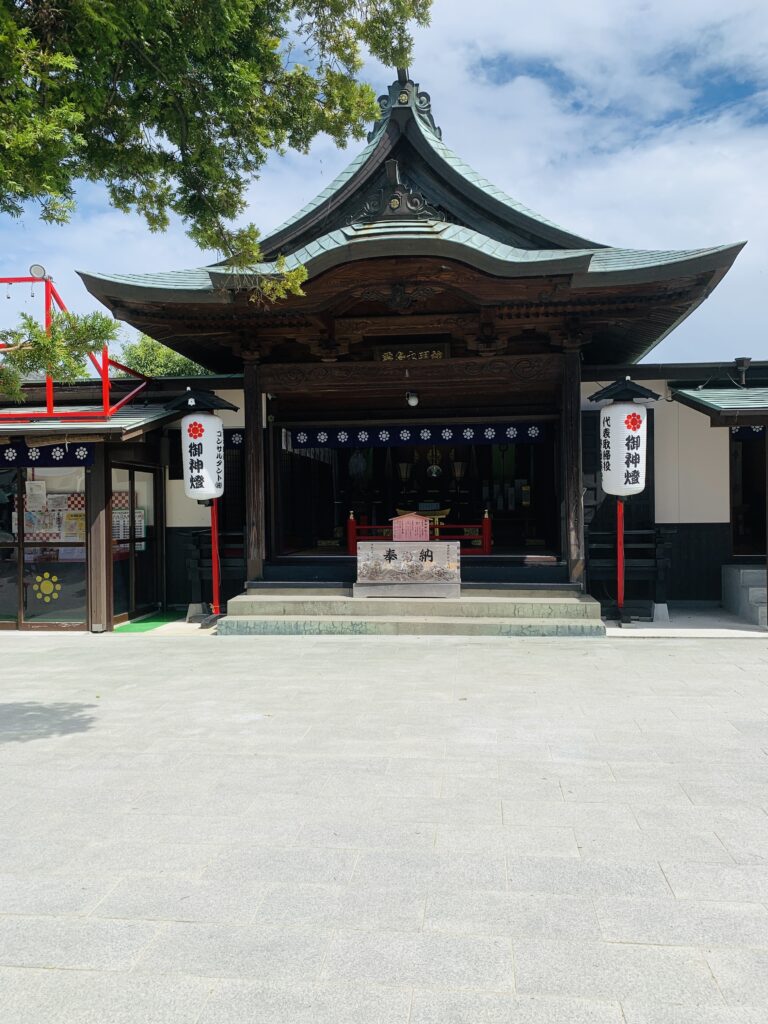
(135, 566)
(53, 536)
(43, 551)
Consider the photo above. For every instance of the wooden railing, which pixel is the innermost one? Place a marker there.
(468, 542)
(648, 559)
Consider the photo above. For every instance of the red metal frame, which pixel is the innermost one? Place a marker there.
(103, 364)
(445, 531)
(215, 559)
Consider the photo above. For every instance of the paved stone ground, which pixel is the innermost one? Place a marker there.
(202, 830)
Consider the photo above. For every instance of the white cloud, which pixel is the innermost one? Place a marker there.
(604, 130)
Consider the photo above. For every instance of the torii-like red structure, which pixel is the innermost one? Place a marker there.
(103, 364)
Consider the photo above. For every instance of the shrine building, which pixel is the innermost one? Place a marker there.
(441, 362)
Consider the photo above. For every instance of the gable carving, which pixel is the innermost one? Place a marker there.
(396, 200)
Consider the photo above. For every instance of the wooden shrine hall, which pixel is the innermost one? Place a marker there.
(434, 363)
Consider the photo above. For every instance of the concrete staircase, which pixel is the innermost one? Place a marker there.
(478, 612)
(744, 593)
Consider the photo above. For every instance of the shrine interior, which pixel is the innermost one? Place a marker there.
(449, 483)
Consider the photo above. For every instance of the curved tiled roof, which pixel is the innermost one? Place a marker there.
(399, 118)
(487, 188)
(335, 186)
(421, 238)
(355, 218)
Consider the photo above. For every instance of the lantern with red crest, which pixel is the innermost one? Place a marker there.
(622, 448)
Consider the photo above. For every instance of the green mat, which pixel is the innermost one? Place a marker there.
(150, 622)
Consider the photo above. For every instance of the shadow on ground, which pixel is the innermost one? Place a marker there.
(28, 720)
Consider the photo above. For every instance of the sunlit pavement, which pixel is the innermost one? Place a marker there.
(205, 830)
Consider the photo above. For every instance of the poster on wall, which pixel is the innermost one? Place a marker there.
(73, 526)
(35, 491)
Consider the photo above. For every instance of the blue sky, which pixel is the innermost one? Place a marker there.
(641, 124)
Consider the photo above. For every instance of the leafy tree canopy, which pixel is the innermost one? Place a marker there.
(175, 105)
(153, 359)
(31, 350)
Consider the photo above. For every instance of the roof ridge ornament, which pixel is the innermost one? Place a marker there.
(405, 96)
(396, 199)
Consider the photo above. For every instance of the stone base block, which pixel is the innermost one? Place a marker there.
(406, 590)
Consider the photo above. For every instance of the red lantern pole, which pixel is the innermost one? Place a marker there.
(620, 553)
(215, 564)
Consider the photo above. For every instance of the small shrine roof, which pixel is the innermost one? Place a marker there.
(726, 404)
(128, 422)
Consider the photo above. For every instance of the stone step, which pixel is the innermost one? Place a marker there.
(752, 577)
(549, 606)
(389, 625)
(744, 593)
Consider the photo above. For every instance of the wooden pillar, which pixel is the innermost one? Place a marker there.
(572, 474)
(254, 471)
(99, 554)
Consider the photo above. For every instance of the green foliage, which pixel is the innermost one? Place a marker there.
(176, 104)
(149, 357)
(63, 352)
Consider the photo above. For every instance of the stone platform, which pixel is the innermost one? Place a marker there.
(744, 592)
(477, 612)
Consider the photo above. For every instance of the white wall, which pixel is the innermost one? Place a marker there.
(691, 461)
(181, 510)
(229, 418)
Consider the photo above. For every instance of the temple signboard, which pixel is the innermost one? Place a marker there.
(408, 569)
(410, 526)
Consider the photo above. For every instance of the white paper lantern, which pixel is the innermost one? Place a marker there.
(202, 456)
(623, 440)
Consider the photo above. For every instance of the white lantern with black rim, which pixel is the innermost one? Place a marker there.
(202, 463)
(202, 456)
(623, 442)
(622, 447)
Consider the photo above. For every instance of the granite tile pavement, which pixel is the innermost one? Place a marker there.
(365, 830)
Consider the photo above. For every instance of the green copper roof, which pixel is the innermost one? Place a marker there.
(727, 401)
(408, 195)
(323, 197)
(398, 237)
(406, 113)
(469, 174)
